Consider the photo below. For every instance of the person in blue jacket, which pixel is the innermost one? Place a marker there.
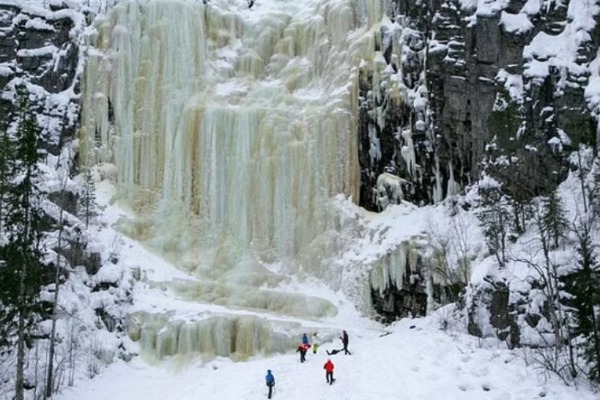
(270, 383)
(304, 339)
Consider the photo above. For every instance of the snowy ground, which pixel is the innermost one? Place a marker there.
(413, 359)
(419, 363)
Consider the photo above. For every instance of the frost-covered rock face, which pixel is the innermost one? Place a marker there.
(490, 314)
(455, 61)
(41, 58)
(39, 54)
(399, 283)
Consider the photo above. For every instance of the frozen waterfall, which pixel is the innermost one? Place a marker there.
(230, 131)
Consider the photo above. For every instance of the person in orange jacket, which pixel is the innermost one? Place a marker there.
(328, 367)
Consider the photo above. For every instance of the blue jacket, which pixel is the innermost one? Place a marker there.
(304, 339)
(270, 378)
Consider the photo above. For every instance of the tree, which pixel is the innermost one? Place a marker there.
(494, 215)
(557, 356)
(88, 203)
(57, 279)
(553, 220)
(584, 285)
(6, 146)
(21, 274)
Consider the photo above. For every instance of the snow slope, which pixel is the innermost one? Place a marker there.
(419, 363)
(411, 359)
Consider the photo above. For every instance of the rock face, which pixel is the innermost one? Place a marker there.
(40, 59)
(490, 313)
(501, 87)
(399, 282)
(512, 74)
(39, 55)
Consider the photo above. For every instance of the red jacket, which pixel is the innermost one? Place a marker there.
(328, 366)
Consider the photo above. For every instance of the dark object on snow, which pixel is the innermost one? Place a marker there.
(412, 327)
(333, 352)
(385, 334)
(250, 3)
(344, 338)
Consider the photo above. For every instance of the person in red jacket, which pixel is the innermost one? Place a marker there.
(329, 371)
(302, 350)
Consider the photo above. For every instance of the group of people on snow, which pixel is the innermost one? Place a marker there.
(303, 349)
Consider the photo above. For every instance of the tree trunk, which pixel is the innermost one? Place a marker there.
(49, 378)
(20, 382)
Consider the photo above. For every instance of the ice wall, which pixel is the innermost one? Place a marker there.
(241, 123)
(225, 335)
(231, 129)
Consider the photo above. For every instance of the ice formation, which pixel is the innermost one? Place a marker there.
(231, 129)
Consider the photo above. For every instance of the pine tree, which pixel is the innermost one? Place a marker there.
(5, 159)
(5, 156)
(554, 221)
(88, 205)
(584, 286)
(494, 216)
(21, 273)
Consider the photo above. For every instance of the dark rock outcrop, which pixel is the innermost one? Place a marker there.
(39, 54)
(465, 63)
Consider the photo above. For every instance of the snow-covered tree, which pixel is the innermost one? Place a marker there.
(88, 205)
(21, 270)
(584, 285)
(494, 215)
(554, 221)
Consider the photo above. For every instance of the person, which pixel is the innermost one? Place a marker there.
(333, 352)
(328, 367)
(304, 339)
(315, 343)
(302, 350)
(270, 383)
(344, 338)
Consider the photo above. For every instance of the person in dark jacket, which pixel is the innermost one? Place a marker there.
(328, 367)
(344, 338)
(270, 383)
(304, 339)
(302, 349)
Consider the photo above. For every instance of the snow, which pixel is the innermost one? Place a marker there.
(412, 359)
(515, 23)
(39, 24)
(6, 70)
(561, 51)
(42, 51)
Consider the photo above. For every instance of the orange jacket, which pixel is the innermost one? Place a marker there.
(328, 366)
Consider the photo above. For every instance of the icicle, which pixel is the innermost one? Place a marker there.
(408, 152)
(438, 195)
(453, 186)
